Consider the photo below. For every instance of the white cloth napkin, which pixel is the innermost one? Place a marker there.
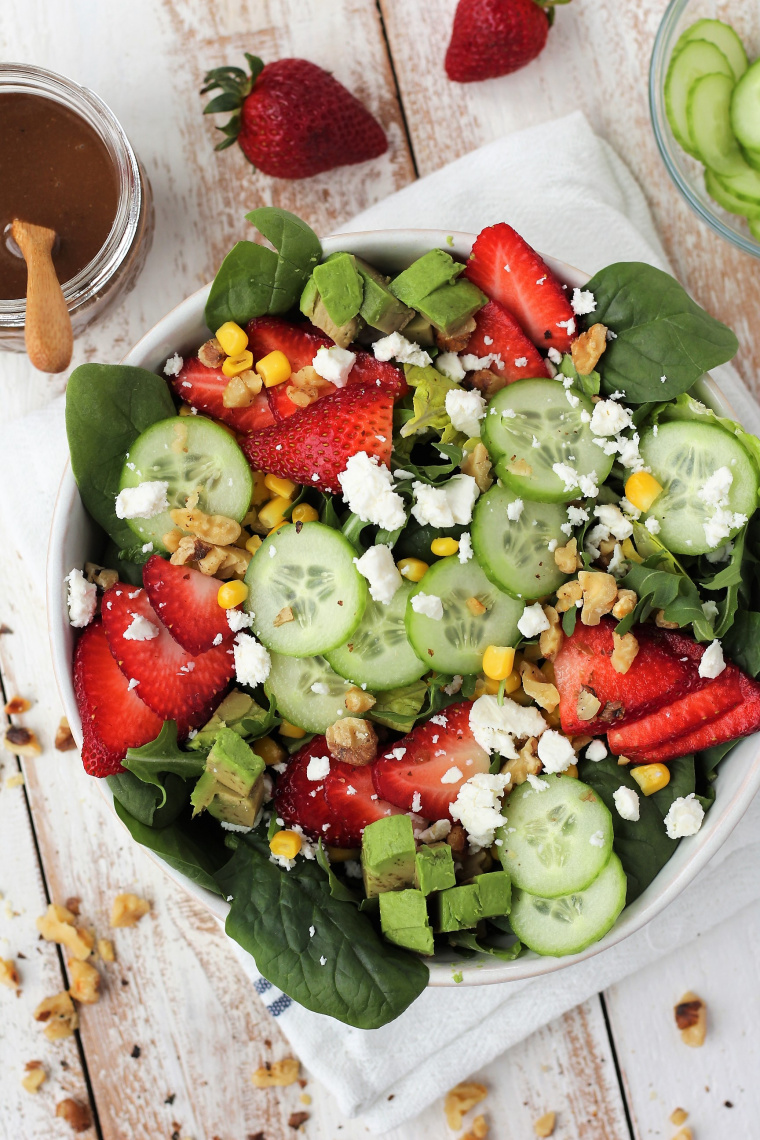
(584, 207)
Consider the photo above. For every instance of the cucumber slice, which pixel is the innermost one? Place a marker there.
(745, 184)
(752, 157)
(540, 410)
(745, 108)
(724, 37)
(687, 64)
(515, 555)
(378, 653)
(708, 110)
(682, 457)
(190, 453)
(569, 924)
(457, 642)
(290, 683)
(727, 200)
(311, 570)
(557, 840)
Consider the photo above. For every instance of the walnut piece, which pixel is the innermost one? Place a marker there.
(106, 950)
(171, 540)
(599, 595)
(691, 1019)
(458, 339)
(9, 974)
(535, 684)
(550, 641)
(222, 561)
(624, 652)
(527, 763)
(544, 1126)
(57, 925)
(475, 606)
(357, 701)
(279, 1074)
(296, 1119)
(520, 467)
(128, 909)
(678, 1116)
(478, 465)
(588, 347)
(237, 394)
(684, 1134)
(59, 1016)
(588, 704)
(662, 622)
(85, 982)
(489, 383)
(34, 1077)
(352, 741)
(460, 1100)
(216, 529)
(625, 604)
(567, 595)
(567, 558)
(17, 705)
(456, 839)
(478, 1130)
(285, 616)
(211, 354)
(64, 740)
(76, 1114)
(21, 741)
(100, 575)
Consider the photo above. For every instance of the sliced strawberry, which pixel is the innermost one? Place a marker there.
(498, 333)
(351, 795)
(742, 720)
(677, 717)
(410, 773)
(113, 716)
(203, 388)
(174, 683)
(186, 602)
(300, 344)
(510, 271)
(318, 440)
(299, 800)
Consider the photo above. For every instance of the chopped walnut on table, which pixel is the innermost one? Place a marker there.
(57, 925)
(21, 741)
(588, 347)
(76, 1114)
(357, 701)
(85, 982)
(35, 1075)
(278, 1074)
(17, 705)
(64, 739)
(678, 1116)
(59, 1015)
(460, 1100)
(545, 1124)
(128, 909)
(599, 595)
(478, 465)
(352, 741)
(691, 1019)
(106, 950)
(625, 650)
(478, 1129)
(9, 974)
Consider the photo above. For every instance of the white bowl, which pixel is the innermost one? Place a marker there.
(73, 536)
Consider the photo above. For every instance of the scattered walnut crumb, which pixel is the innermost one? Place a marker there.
(567, 595)
(9, 974)
(566, 557)
(488, 382)
(478, 465)
(296, 1119)
(278, 1074)
(691, 1019)
(520, 467)
(21, 741)
(34, 1077)
(475, 606)
(59, 1015)
(128, 909)
(678, 1116)
(217, 529)
(15, 781)
(588, 704)
(74, 904)
(479, 1129)
(285, 616)
(64, 740)
(662, 622)
(85, 982)
(456, 839)
(17, 705)
(57, 925)
(460, 1100)
(106, 950)
(550, 641)
(535, 684)
(625, 604)
(76, 1114)
(100, 576)
(684, 1134)
(599, 595)
(625, 650)
(527, 763)
(458, 339)
(357, 701)
(545, 1124)
(352, 741)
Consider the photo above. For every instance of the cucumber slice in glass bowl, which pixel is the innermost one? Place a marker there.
(729, 201)
(514, 553)
(708, 110)
(687, 64)
(724, 37)
(745, 108)
(379, 654)
(191, 454)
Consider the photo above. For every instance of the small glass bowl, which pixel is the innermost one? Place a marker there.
(687, 172)
(114, 269)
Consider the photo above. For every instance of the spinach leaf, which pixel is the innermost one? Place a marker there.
(199, 854)
(363, 980)
(682, 783)
(708, 759)
(399, 708)
(129, 572)
(155, 805)
(659, 332)
(253, 279)
(742, 642)
(338, 889)
(107, 407)
(163, 755)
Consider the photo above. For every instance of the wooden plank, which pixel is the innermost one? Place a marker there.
(596, 60)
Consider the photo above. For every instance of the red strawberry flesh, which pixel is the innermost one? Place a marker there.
(186, 602)
(351, 795)
(498, 333)
(494, 37)
(301, 801)
(203, 388)
(740, 721)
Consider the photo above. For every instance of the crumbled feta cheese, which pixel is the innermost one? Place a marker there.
(532, 621)
(396, 753)
(555, 356)
(381, 572)
(82, 599)
(450, 365)
(552, 545)
(473, 363)
(615, 521)
(628, 451)
(452, 688)
(451, 775)
(417, 803)
(596, 751)
(572, 400)
(521, 361)
(597, 839)
(609, 418)
(567, 474)
(536, 783)
(465, 410)
(218, 639)
(515, 509)
(684, 817)
(272, 551)
(334, 364)
(555, 751)
(568, 324)
(428, 604)
(173, 366)
(652, 524)
(719, 527)
(320, 688)
(478, 807)
(436, 832)
(496, 727)
(239, 619)
(318, 768)
(715, 491)
(397, 347)
(133, 683)
(252, 662)
(710, 610)
(627, 803)
(448, 505)
(722, 554)
(576, 515)
(465, 547)
(594, 537)
(367, 488)
(583, 302)
(617, 565)
(712, 663)
(629, 510)
(144, 501)
(140, 629)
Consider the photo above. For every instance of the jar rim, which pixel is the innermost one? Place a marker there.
(93, 277)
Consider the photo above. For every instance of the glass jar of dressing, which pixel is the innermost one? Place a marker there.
(66, 163)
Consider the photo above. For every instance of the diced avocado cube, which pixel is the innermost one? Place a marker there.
(340, 287)
(451, 305)
(420, 331)
(459, 908)
(233, 763)
(379, 308)
(236, 707)
(204, 791)
(312, 306)
(388, 851)
(495, 893)
(239, 810)
(404, 920)
(434, 869)
(424, 276)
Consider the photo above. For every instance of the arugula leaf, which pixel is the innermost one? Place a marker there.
(163, 755)
(155, 806)
(253, 280)
(363, 981)
(659, 331)
(569, 619)
(399, 708)
(742, 642)
(198, 855)
(430, 388)
(107, 407)
(673, 593)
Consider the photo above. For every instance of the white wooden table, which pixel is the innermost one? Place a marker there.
(612, 1069)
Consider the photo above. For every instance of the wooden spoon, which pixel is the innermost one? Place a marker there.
(48, 335)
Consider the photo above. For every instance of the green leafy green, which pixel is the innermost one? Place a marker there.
(399, 708)
(430, 388)
(659, 332)
(569, 619)
(589, 384)
(338, 889)
(673, 593)
(107, 407)
(741, 642)
(345, 970)
(240, 712)
(163, 755)
(254, 280)
(199, 853)
(155, 804)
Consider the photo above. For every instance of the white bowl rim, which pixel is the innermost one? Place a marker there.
(481, 970)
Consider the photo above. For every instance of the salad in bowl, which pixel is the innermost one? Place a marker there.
(420, 604)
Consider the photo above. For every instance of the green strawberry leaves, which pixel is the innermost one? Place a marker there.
(235, 86)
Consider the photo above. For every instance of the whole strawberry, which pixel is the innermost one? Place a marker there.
(292, 118)
(493, 37)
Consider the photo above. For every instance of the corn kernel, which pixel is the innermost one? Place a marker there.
(291, 730)
(443, 547)
(486, 685)
(232, 338)
(277, 525)
(498, 661)
(231, 594)
(234, 365)
(413, 569)
(269, 750)
(651, 778)
(273, 512)
(513, 682)
(253, 543)
(304, 513)
(572, 770)
(282, 487)
(260, 489)
(274, 368)
(630, 553)
(642, 489)
(287, 844)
